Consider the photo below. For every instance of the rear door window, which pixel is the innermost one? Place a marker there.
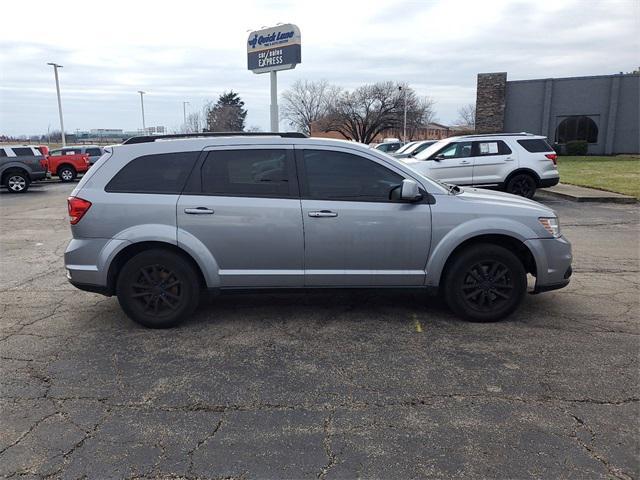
(161, 173)
(249, 173)
(491, 147)
(23, 152)
(535, 145)
(93, 152)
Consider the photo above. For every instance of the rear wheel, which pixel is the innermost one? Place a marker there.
(485, 283)
(522, 184)
(158, 288)
(67, 173)
(17, 181)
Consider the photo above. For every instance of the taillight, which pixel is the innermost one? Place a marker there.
(553, 157)
(77, 208)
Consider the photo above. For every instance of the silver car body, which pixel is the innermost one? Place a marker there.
(288, 242)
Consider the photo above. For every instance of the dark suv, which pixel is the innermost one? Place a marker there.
(19, 166)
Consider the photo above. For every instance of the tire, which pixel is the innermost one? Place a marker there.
(67, 173)
(485, 283)
(158, 288)
(522, 184)
(17, 181)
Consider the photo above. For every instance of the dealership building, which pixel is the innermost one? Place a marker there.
(604, 110)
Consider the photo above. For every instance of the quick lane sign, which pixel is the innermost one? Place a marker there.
(273, 49)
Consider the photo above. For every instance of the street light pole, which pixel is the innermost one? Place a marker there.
(55, 71)
(405, 116)
(144, 126)
(184, 113)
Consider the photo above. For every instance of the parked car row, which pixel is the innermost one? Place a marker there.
(20, 165)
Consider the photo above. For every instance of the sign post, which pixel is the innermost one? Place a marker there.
(270, 50)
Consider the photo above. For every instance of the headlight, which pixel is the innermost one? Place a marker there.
(551, 225)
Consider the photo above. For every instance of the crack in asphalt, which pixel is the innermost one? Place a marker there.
(326, 444)
(588, 447)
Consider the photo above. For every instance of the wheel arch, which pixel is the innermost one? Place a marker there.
(132, 249)
(518, 171)
(514, 245)
(12, 168)
(66, 164)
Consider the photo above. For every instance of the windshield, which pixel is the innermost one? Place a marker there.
(427, 152)
(406, 147)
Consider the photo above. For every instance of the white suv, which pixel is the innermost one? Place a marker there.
(517, 163)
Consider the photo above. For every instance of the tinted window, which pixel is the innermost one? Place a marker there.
(2, 153)
(23, 152)
(535, 145)
(343, 176)
(456, 150)
(93, 152)
(253, 173)
(163, 173)
(420, 148)
(55, 153)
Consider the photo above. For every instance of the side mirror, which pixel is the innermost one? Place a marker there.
(437, 158)
(409, 191)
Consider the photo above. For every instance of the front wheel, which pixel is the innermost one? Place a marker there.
(523, 185)
(158, 288)
(66, 173)
(485, 283)
(17, 182)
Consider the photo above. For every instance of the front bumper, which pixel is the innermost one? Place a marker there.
(553, 259)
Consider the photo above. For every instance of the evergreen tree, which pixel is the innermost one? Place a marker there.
(227, 114)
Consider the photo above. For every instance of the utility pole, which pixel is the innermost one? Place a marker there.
(144, 126)
(274, 101)
(184, 114)
(404, 129)
(55, 72)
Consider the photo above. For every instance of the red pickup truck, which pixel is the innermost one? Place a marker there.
(67, 163)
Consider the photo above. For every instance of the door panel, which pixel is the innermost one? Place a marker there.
(243, 205)
(354, 234)
(255, 241)
(365, 243)
(454, 164)
(493, 161)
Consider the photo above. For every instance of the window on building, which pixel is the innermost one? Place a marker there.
(577, 128)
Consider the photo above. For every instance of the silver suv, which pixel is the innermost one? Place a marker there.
(159, 220)
(517, 163)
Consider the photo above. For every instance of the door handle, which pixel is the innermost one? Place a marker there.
(198, 211)
(323, 213)
(465, 162)
(508, 159)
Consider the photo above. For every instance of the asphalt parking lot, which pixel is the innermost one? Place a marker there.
(325, 385)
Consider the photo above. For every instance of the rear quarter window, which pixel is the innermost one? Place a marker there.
(93, 152)
(2, 153)
(23, 152)
(535, 145)
(160, 173)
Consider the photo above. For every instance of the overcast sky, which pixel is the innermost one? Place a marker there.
(193, 51)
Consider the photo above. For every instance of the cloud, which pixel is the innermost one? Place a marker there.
(195, 51)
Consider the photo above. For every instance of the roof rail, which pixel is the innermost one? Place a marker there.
(497, 134)
(153, 138)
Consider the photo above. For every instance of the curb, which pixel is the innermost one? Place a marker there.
(605, 197)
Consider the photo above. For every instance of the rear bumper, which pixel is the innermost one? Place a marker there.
(548, 182)
(87, 261)
(91, 288)
(553, 259)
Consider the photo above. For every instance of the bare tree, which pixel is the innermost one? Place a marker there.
(194, 123)
(306, 102)
(467, 116)
(369, 110)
